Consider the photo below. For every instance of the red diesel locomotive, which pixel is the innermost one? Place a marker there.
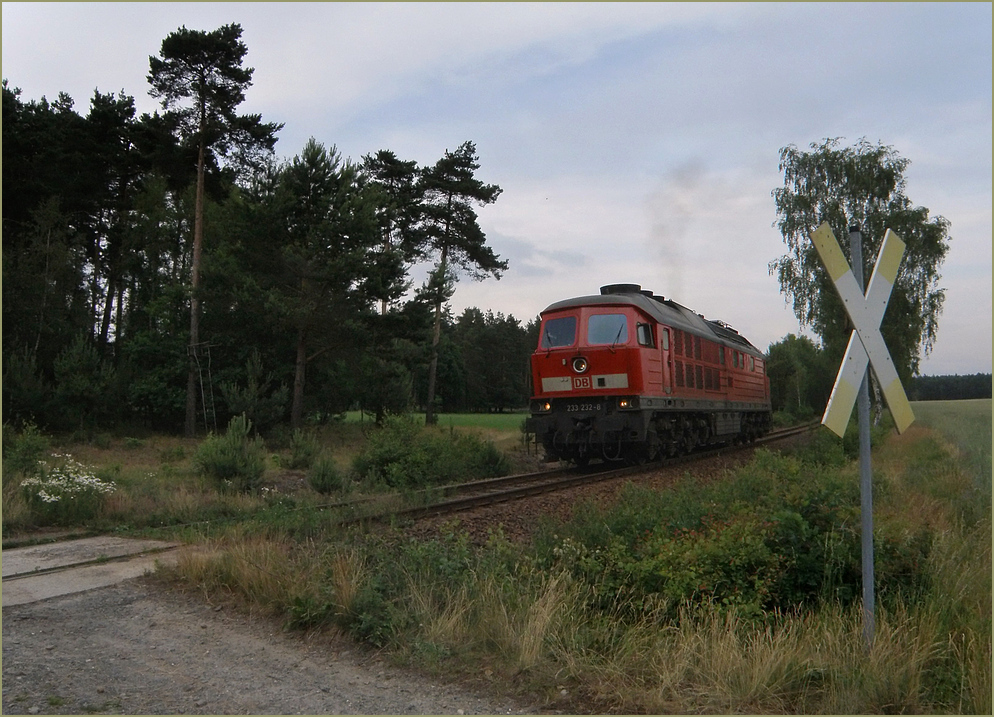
(629, 375)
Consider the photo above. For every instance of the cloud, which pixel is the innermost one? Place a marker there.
(635, 142)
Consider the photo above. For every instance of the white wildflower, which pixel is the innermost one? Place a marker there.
(65, 478)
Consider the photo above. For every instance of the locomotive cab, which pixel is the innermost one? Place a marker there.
(590, 371)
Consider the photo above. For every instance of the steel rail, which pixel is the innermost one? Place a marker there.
(480, 493)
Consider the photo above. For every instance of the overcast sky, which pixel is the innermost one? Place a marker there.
(635, 143)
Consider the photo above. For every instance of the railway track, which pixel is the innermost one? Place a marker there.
(475, 494)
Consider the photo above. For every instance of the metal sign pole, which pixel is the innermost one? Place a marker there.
(865, 467)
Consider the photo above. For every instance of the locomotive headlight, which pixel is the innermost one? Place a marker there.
(541, 406)
(579, 364)
(629, 403)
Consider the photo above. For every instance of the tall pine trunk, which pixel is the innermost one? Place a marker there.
(430, 418)
(297, 410)
(190, 426)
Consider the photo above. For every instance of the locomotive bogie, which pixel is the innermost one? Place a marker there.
(626, 375)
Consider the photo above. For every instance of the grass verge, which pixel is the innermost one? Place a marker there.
(739, 597)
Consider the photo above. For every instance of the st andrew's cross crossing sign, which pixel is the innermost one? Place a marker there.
(866, 345)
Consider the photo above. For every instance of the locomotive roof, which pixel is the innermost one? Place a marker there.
(665, 311)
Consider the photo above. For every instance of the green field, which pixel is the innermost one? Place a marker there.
(510, 421)
(967, 426)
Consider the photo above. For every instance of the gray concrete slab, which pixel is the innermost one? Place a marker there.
(45, 571)
(52, 556)
(32, 588)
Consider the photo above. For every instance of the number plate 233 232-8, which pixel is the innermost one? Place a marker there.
(573, 407)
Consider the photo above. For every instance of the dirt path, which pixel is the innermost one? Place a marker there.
(142, 648)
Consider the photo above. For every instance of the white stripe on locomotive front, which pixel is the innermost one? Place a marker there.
(571, 383)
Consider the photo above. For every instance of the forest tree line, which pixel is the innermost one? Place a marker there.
(298, 272)
(952, 387)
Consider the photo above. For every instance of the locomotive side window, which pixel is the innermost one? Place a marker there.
(608, 329)
(721, 355)
(645, 337)
(559, 332)
(752, 363)
(665, 338)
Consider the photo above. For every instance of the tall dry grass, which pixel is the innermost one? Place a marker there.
(478, 617)
(816, 663)
(262, 572)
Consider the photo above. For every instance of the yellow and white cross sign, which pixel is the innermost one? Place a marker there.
(866, 345)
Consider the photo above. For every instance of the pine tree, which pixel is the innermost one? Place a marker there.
(200, 80)
(451, 235)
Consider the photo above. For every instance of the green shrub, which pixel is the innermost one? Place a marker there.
(22, 452)
(304, 449)
(325, 477)
(825, 448)
(234, 460)
(485, 459)
(405, 455)
(780, 534)
(382, 609)
(392, 445)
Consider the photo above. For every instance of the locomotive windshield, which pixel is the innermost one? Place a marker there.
(559, 332)
(607, 329)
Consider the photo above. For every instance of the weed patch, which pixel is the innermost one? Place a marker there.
(406, 455)
(326, 478)
(234, 460)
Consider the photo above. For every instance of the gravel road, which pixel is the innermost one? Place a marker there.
(142, 648)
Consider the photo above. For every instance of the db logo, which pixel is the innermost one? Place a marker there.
(581, 382)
